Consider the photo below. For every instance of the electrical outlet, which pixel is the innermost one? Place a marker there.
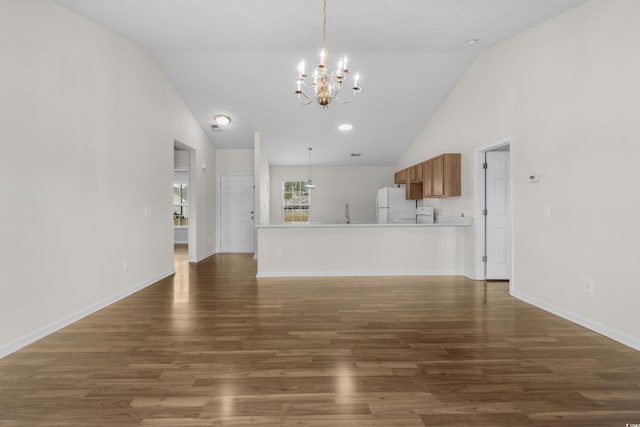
(278, 252)
(546, 212)
(588, 286)
(125, 266)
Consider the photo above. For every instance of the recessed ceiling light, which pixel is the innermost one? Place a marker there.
(222, 120)
(472, 41)
(345, 127)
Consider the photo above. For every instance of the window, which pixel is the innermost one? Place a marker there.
(180, 204)
(295, 202)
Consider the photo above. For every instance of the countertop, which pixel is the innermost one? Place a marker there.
(445, 222)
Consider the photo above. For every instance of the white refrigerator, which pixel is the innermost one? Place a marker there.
(392, 206)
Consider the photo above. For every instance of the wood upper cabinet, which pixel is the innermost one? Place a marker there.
(446, 175)
(414, 182)
(437, 171)
(400, 177)
(427, 182)
(437, 177)
(416, 173)
(414, 190)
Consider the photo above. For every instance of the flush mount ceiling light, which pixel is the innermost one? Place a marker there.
(325, 85)
(309, 184)
(221, 119)
(472, 41)
(345, 127)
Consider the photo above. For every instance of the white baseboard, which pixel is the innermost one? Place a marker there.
(594, 326)
(356, 273)
(472, 276)
(205, 256)
(74, 317)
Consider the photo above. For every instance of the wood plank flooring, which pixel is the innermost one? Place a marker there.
(214, 346)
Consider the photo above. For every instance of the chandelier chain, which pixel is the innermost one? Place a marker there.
(324, 24)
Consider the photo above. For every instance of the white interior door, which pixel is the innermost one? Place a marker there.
(237, 214)
(498, 227)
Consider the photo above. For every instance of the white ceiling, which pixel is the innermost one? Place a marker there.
(239, 57)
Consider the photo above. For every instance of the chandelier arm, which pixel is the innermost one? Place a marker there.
(341, 101)
(301, 93)
(347, 101)
(304, 84)
(303, 102)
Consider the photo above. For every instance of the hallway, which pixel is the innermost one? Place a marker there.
(213, 346)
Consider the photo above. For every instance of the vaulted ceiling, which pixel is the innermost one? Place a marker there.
(239, 57)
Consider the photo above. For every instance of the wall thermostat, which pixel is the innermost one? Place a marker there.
(534, 177)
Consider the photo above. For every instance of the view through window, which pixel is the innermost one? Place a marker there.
(295, 202)
(180, 204)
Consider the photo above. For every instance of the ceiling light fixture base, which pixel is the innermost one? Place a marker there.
(222, 119)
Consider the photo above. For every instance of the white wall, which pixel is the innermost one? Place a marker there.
(335, 185)
(567, 92)
(234, 162)
(263, 184)
(181, 159)
(88, 123)
(203, 203)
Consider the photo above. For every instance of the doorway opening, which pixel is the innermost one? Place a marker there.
(493, 208)
(182, 202)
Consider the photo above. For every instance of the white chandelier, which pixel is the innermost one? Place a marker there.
(325, 85)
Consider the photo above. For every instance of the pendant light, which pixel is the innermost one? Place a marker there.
(309, 184)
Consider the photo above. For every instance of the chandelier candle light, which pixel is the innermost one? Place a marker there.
(325, 85)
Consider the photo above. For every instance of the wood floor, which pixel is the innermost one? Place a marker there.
(213, 346)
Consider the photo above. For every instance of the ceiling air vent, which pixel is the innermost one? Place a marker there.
(216, 128)
(356, 154)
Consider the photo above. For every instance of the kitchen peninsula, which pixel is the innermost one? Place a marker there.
(302, 250)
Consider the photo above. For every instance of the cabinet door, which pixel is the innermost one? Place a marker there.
(452, 176)
(400, 177)
(414, 182)
(437, 182)
(427, 181)
(415, 173)
(419, 173)
(414, 190)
